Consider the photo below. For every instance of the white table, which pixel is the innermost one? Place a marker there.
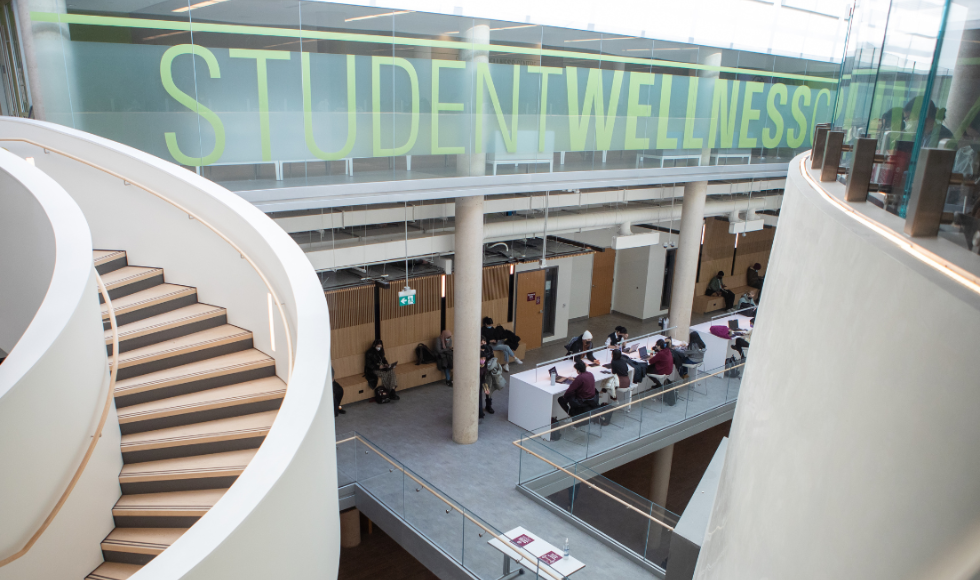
(717, 347)
(566, 566)
(533, 400)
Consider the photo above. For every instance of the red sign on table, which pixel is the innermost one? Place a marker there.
(550, 558)
(522, 540)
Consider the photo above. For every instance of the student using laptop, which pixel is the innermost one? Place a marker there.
(617, 338)
(581, 395)
(743, 341)
(376, 368)
(661, 363)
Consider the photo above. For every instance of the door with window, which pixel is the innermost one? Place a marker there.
(529, 319)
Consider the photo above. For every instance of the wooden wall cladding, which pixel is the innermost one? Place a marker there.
(403, 327)
(716, 254)
(753, 247)
(496, 293)
(352, 328)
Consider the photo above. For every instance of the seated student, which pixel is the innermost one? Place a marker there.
(746, 301)
(661, 363)
(444, 355)
(617, 338)
(581, 343)
(743, 341)
(717, 288)
(581, 395)
(376, 367)
(753, 278)
(485, 350)
(620, 369)
(490, 333)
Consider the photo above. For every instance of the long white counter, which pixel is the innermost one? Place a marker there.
(534, 400)
(718, 348)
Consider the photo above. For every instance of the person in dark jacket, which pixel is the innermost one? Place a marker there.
(754, 279)
(444, 352)
(338, 395)
(661, 363)
(485, 350)
(617, 338)
(581, 344)
(620, 370)
(376, 368)
(581, 395)
(490, 333)
(716, 287)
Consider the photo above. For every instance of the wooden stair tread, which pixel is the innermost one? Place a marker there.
(113, 571)
(230, 428)
(148, 297)
(128, 275)
(212, 367)
(105, 256)
(150, 541)
(169, 503)
(167, 320)
(264, 389)
(209, 338)
(226, 464)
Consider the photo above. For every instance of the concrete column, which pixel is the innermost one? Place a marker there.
(686, 260)
(660, 478)
(350, 528)
(965, 88)
(468, 304)
(471, 163)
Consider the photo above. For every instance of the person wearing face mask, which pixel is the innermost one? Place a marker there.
(485, 350)
(489, 333)
(380, 374)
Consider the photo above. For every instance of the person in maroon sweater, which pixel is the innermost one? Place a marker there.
(581, 395)
(661, 363)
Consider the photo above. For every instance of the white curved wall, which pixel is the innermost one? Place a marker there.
(855, 449)
(280, 518)
(53, 384)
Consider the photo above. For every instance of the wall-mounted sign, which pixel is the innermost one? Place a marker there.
(406, 297)
(531, 296)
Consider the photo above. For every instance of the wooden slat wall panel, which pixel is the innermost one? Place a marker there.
(450, 303)
(754, 247)
(716, 254)
(403, 327)
(496, 293)
(352, 328)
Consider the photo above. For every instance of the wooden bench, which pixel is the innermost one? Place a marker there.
(705, 304)
(409, 375)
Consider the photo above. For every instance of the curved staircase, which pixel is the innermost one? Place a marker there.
(195, 400)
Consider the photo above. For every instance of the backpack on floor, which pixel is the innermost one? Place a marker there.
(381, 394)
(424, 355)
(730, 371)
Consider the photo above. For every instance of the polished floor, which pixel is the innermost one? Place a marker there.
(417, 431)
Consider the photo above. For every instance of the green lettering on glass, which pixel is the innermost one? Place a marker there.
(544, 71)
(634, 110)
(605, 120)
(510, 137)
(376, 63)
(308, 112)
(663, 142)
(816, 103)
(166, 76)
(261, 69)
(852, 98)
(690, 141)
(749, 114)
(792, 139)
(438, 106)
(770, 138)
(724, 113)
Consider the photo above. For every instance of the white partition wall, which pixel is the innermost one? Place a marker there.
(855, 448)
(280, 518)
(53, 385)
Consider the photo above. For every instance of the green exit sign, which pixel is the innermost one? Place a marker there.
(406, 297)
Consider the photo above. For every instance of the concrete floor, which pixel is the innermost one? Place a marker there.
(482, 477)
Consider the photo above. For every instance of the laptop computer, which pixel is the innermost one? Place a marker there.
(553, 371)
(643, 352)
(733, 324)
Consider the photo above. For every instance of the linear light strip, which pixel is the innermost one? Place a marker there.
(378, 15)
(126, 22)
(953, 271)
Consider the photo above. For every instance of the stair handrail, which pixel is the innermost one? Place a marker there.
(499, 537)
(113, 369)
(241, 252)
